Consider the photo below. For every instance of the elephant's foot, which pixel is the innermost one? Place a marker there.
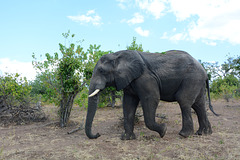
(185, 134)
(206, 131)
(127, 136)
(163, 130)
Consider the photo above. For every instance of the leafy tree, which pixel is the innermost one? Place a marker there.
(228, 67)
(213, 69)
(135, 46)
(237, 66)
(46, 83)
(39, 88)
(94, 54)
(63, 76)
(232, 66)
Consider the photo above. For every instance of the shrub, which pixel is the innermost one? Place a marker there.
(16, 103)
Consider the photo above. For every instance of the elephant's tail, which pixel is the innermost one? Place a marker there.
(210, 105)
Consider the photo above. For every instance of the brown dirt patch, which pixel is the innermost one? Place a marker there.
(41, 141)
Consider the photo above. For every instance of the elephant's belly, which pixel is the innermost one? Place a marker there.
(169, 89)
(169, 98)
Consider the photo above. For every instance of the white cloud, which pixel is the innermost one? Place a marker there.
(25, 69)
(89, 17)
(175, 37)
(122, 3)
(164, 36)
(210, 43)
(208, 20)
(185, 8)
(90, 12)
(138, 18)
(178, 37)
(216, 19)
(154, 7)
(140, 31)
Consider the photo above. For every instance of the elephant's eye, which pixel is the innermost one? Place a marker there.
(102, 71)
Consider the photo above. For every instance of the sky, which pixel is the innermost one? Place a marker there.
(209, 30)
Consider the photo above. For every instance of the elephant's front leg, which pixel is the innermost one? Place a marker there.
(149, 105)
(130, 103)
(148, 92)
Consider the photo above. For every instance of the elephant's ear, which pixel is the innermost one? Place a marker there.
(128, 66)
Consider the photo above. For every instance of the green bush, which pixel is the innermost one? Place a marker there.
(82, 98)
(14, 90)
(225, 87)
(227, 91)
(16, 103)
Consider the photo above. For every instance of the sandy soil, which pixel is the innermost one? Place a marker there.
(45, 140)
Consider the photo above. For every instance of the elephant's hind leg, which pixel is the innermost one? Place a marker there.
(186, 97)
(187, 122)
(199, 107)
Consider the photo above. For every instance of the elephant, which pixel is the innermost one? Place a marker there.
(171, 76)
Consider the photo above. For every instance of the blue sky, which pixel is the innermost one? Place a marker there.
(207, 29)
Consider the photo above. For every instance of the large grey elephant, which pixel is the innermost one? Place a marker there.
(150, 77)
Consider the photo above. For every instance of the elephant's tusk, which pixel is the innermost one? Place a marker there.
(94, 93)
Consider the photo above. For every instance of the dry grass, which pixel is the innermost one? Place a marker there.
(39, 141)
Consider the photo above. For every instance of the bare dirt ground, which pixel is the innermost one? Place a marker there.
(45, 140)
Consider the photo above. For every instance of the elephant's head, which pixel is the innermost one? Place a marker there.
(116, 69)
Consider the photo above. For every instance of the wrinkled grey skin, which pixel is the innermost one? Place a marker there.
(149, 78)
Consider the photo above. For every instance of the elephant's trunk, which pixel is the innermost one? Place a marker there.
(92, 107)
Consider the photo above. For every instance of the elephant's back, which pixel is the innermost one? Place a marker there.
(171, 56)
(174, 63)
